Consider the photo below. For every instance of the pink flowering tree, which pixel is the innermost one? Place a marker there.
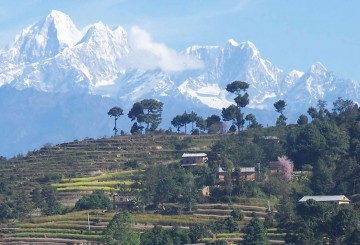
(287, 166)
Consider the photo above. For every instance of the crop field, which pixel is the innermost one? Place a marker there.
(120, 175)
(70, 188)
(106, 182)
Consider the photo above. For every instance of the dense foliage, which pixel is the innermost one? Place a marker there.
(97, 200)
(120, 231)
(159, 236)
(255, 233)
(318, 223)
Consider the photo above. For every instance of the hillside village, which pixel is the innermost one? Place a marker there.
(147, 127)
(293, 184)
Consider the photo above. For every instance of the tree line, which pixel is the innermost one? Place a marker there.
(146, 114)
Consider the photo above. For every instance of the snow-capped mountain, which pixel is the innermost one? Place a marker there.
(52, 57)
(44, 39)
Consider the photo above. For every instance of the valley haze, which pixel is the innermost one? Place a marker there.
(58, 82)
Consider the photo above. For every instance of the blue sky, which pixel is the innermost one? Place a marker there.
(291, 34)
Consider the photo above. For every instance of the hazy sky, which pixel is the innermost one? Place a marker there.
(290, 33)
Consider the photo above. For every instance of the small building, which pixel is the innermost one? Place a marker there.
(339, 199)
(221, 174)
(271, 137)
(193, 159)
(122, 201)
(247, 173)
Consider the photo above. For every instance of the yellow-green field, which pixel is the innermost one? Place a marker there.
(105, 182)
(126, 174)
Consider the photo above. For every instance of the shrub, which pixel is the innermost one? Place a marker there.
(237, 214)
(97, 200)
(133, 164)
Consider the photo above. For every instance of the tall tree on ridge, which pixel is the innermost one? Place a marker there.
(242, 99)
(185, 119)
(152, 113)
(147, 111)
(193, 118)
(177, 123)
(230, 113)
(280, 107)
(115, 112)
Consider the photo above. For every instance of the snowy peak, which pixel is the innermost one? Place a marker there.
(295, 73)
(44, 39)
(67, 32)
(57, 15)
(96, 32)
(120, 32)
(100, 34)
(249, 46)
(318, 68)
(232, 42)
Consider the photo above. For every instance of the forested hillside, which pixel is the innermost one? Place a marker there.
(67, 193)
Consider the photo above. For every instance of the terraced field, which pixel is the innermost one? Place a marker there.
(81, 158)
(74, 226)
(80, 167)
(70, 189)
(85, 226)
(217, 211)
(68, 161)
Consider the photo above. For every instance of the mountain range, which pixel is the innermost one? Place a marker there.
(58, 82)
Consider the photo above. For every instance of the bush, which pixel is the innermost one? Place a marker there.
(97, 200)
(55, 177)
(228, 225)
(237, 214)
(181, 144)
(132, 164)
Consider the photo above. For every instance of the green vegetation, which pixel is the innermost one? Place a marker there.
(213, 203)
(115, 112)
(120, 231)
(233, 112)
(186, 118)
(159, 236)
(255, 233)
(147, 111)
(97, 200)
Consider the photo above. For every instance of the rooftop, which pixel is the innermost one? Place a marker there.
(247, 170)
(325, 198)
(194, 155)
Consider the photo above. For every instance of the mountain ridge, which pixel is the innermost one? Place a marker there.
(125, 66)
